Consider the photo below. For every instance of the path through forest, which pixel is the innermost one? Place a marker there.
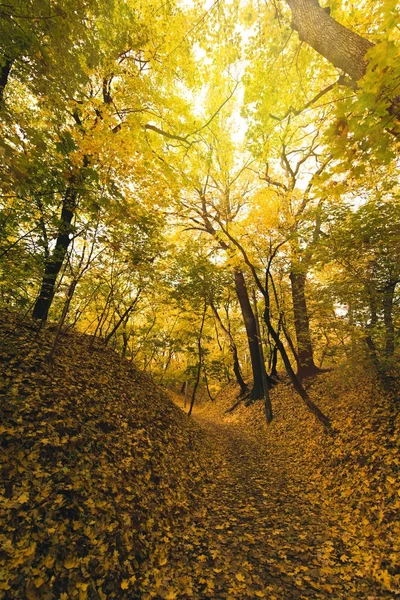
(256, 532)
(271, 531)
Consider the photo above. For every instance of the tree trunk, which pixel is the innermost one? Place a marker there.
(122, 318)
(305, 359)
(344, 48)
(208, 387)
(4, 74)
(200, 363)
(274, 363)
(233, 348)
(292, 375)
(125, 338)
(70, 293)
(388, 296)
(266, 384)
(56, 260)
(257, 391)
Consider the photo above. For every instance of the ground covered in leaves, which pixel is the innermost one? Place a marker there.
(110, 491)
(96, 464)
(294, 513)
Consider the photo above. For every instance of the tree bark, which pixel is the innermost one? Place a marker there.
(292, 375)
(267, 399)
(388, 296)
(56, 260)
(257, 391)
(305, 359)
(200, 363)
(344, 48)
(121, 319)
(233, 348)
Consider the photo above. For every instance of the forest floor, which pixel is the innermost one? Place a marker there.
(268, 526)
(109, 491)
(256, 533)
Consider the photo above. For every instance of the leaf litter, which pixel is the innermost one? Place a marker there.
(110, 491)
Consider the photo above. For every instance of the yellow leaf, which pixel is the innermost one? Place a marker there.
(125, 584)
(39, 582)
(49, 561)
(71, 563)
(240, 577)
(82, 586)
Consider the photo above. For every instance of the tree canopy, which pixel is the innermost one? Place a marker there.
(210, 188)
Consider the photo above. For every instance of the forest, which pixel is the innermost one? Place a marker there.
(200, 214)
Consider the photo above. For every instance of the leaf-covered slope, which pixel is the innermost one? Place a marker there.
(351, 477)
(96, 464)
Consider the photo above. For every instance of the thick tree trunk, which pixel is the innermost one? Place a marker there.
(388, 296)
(305, 359)
(233, 348)
(344, 48)
(257, 391)
(56, 260)
(266, 385)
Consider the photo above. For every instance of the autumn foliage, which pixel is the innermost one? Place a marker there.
(199, 206)
(110, 491)
(96, 465)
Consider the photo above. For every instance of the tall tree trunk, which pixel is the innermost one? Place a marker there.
(274, 363)
(344, 48)
(388, 296)
(233, 348)
(54, 263)
(266, 385)
(200, 363)
(257, 391)
(292, 375)
(305, 359)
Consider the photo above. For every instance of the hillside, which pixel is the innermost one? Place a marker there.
(96, 465)
(339, 494)
(110, 491)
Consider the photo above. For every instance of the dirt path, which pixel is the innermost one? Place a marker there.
(255, 533)
(272, 534)
(258, 530)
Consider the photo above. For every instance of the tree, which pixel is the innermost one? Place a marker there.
(344, 48)
(364, 244)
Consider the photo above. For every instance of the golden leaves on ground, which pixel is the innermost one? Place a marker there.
(334, 500)
(95, 465)
(109, 491)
